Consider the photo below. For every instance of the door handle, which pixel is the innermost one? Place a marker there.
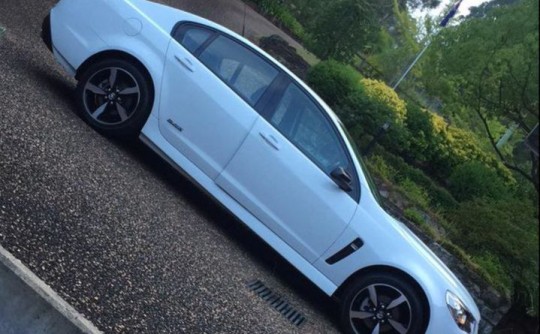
(270, 140)
(185, 62)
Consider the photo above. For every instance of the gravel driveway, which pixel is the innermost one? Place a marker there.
(117, 233)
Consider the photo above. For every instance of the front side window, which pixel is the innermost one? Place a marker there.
(299, 119)
(239, 67)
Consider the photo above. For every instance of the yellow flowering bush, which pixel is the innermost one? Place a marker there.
(382, 94)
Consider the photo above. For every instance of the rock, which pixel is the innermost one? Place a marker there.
(486, 329)
(491, 296)
(384, 193)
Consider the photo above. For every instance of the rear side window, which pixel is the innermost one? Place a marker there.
(192, 38)
(299, 119)
(239, 67)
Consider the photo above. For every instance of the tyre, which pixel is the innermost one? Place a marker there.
(382, 303)
(115, 97)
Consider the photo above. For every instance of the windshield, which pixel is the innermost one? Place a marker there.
(371, 183)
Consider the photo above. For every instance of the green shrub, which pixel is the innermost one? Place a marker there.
(359, 101)
(459, 253)
(493, 266)
(475, 180)
(378, 166)
(422, 139)
(340, 86)
(415, 193)
(416, 217)
(438, 196)
(385, 100)
(457, 146)
(334, 82)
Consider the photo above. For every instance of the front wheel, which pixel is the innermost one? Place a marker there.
(115, 97)
(382, 303)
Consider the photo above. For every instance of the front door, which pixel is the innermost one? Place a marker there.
(211, 86)
(281, 174)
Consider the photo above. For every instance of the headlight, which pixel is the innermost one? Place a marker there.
(460, 313)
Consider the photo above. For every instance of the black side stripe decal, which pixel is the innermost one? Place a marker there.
(348, 250)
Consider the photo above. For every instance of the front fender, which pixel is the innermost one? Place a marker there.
(386, 243)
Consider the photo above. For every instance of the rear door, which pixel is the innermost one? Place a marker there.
(281, 174)
(212, 86)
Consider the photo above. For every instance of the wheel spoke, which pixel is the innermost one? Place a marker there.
(377, 329)
(99, 111)
(112, 77)
(360, 315)
(130, 90)
(121, 111)
(398, 301)
(95, 89)
(373, 295)
(397, 326)
(112, 95)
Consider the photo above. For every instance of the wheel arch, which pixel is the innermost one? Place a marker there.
(338, 294)
(116, 54)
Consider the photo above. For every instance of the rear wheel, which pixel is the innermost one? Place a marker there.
(115, 97)
(382, 303)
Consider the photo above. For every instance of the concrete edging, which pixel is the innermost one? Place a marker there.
(45, 292)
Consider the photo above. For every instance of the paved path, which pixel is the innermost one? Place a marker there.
(118, 234)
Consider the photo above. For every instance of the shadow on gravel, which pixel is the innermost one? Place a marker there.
(205, 205)
(62, 89)
(232, 228)
(30, 65)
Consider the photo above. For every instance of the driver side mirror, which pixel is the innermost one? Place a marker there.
(342, 179)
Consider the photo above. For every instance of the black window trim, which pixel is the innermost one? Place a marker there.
(271, 108)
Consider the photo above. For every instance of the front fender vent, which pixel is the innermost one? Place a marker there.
(277, 303)
(348, 250)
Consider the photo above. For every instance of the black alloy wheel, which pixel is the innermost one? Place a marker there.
(382, 304)
(115, 97)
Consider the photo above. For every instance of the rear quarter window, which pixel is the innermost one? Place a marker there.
(192, 37)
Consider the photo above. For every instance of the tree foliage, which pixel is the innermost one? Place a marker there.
(340, 29)
(488, 67)
(343, 29)
(484, 75)
(397, 43)
(485, 8)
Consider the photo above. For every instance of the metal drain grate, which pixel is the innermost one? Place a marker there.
(278, 303)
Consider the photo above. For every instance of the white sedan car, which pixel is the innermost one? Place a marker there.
(262, 144)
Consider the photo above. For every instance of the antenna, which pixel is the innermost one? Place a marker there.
(244, 24)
